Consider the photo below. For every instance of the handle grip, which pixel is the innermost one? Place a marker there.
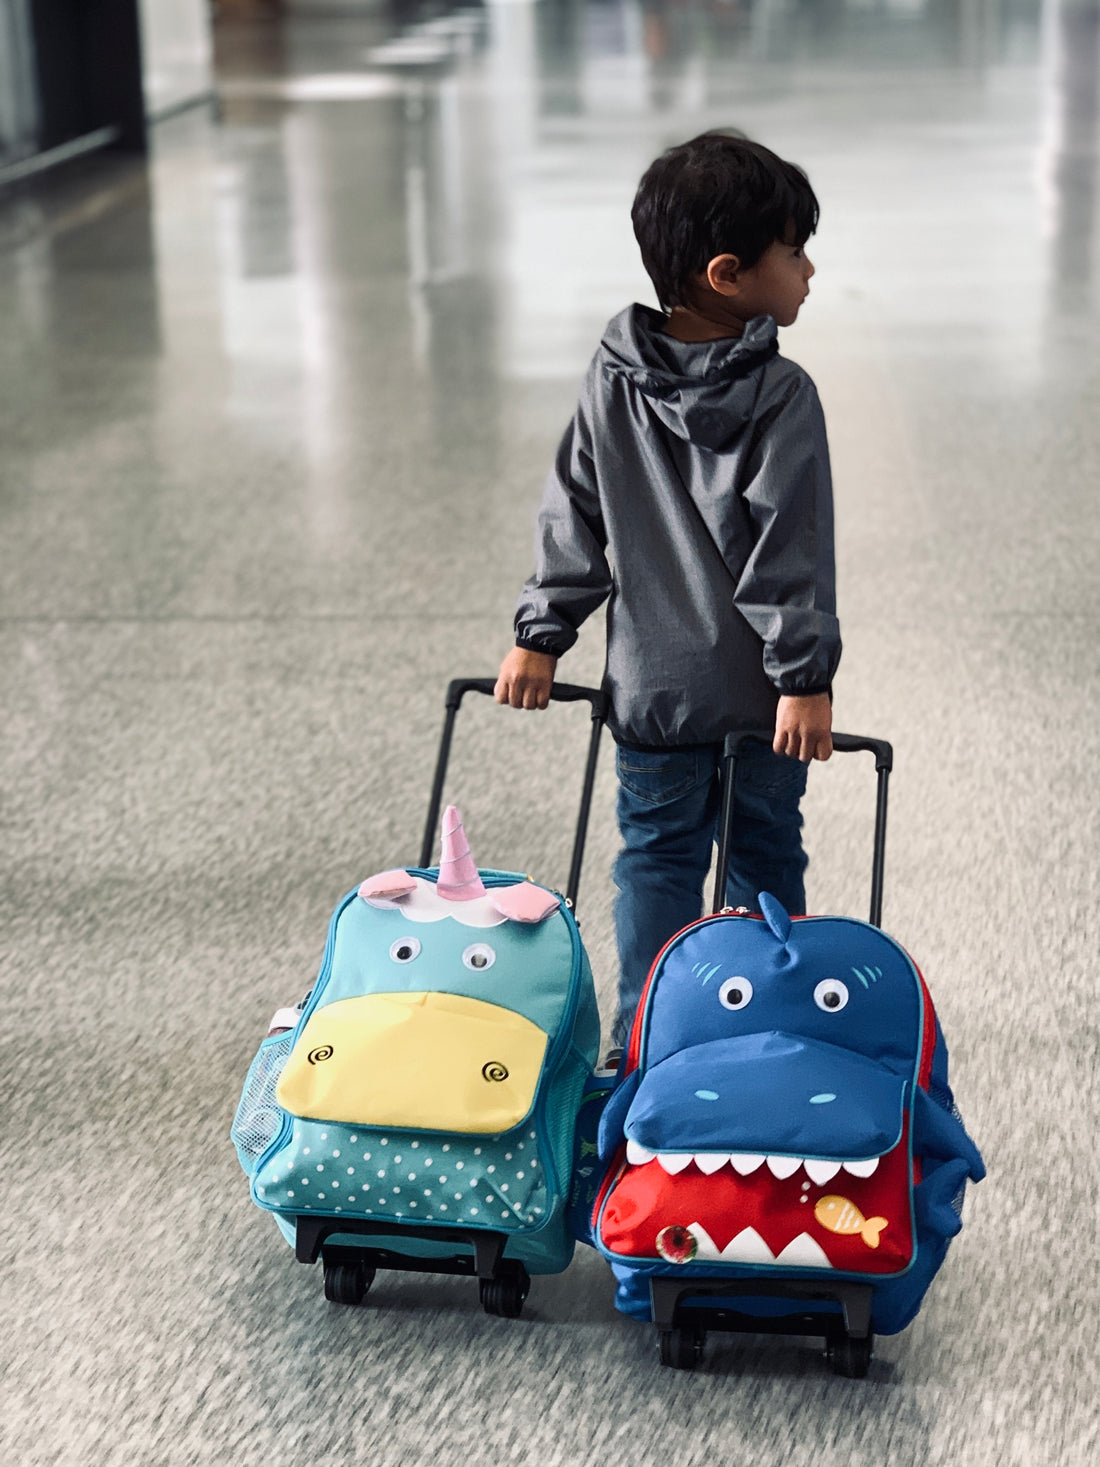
(853, 743)
(842, 744)
(457, 688)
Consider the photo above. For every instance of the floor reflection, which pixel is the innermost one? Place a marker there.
(494, 121)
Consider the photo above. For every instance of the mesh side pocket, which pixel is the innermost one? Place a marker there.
(943, 1097)
(588, 1171)
(258, 1117)
(563, 1104)
(960, 1196)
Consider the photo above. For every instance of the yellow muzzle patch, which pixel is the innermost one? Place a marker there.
(430, 1061)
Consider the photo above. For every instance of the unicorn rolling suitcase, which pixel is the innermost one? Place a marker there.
(417, 1111)
(782, 1147)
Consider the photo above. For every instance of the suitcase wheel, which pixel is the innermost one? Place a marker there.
(347, 1283)
(682, 1348)
(505, 1294)
(850, 1356)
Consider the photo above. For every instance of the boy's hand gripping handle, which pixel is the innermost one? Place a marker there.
(842, 744)
(560, 693)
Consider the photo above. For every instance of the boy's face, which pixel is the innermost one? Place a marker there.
(724, 298)
(776, 285)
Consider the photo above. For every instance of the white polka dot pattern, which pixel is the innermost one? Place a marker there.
(498, 1181)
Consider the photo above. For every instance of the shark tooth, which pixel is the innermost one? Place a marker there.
(747, 1247)
(709, 1162)
(637, 1155)
(783, 1166)
(707, 1248)
(803, 1252)
(821, 1171)
(674, 1161)
(862, 1168)
(744, 1163)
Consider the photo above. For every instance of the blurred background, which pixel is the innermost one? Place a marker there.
(294, 304)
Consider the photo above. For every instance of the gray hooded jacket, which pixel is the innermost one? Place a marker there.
(692, 492)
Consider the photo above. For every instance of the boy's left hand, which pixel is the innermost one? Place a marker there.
(804, 727)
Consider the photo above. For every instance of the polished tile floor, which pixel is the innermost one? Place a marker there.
(275, 409)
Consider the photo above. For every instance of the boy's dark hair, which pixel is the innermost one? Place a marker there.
(718, 194)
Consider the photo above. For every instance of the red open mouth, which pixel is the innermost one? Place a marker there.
(715, 1207)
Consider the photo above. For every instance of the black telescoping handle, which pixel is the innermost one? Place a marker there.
(842, 744)
(559, 693)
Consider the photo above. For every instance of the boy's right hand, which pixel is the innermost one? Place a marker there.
(525, 678)
(804, 727)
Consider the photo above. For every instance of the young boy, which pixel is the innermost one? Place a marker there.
(692, 493)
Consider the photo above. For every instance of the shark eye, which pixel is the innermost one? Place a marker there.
(831, 995)
(405, 949)
(735, 993)
(478, 956)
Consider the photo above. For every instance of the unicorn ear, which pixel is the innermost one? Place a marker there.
(524, 902)
(458, 879)
(387, 887)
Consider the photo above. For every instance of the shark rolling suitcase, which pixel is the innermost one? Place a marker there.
(782, 1149)
(417, 1110)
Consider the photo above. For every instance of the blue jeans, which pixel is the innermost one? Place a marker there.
(669, 804)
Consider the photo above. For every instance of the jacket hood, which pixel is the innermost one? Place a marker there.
(703, 391)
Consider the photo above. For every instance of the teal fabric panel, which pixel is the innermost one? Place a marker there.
(530, 974)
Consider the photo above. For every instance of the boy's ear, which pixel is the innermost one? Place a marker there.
(723, 274)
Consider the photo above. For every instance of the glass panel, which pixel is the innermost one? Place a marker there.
(19, 116)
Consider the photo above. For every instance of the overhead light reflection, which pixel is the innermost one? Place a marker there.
(354, 86)
(1070, 81)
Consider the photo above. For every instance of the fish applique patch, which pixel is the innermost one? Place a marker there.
(844, 1217)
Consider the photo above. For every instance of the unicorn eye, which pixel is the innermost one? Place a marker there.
(831, 995)
(479, 956)
(405, 949)
(735, 993)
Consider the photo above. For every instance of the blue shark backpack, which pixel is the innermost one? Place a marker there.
(782, 1151)
(420, 1112)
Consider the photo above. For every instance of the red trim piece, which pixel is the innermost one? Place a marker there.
(611, 1176)
(928, 1046)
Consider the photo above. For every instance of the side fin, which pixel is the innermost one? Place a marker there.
(932, 1199)
(937, 1133)
(610, 1135)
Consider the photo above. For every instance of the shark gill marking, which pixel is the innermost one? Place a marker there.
(868, 975)
(706, 971)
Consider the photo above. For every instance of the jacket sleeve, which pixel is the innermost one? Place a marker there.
(572, 576)
(787, 589)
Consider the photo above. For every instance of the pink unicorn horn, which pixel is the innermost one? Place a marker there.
(458, 878)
